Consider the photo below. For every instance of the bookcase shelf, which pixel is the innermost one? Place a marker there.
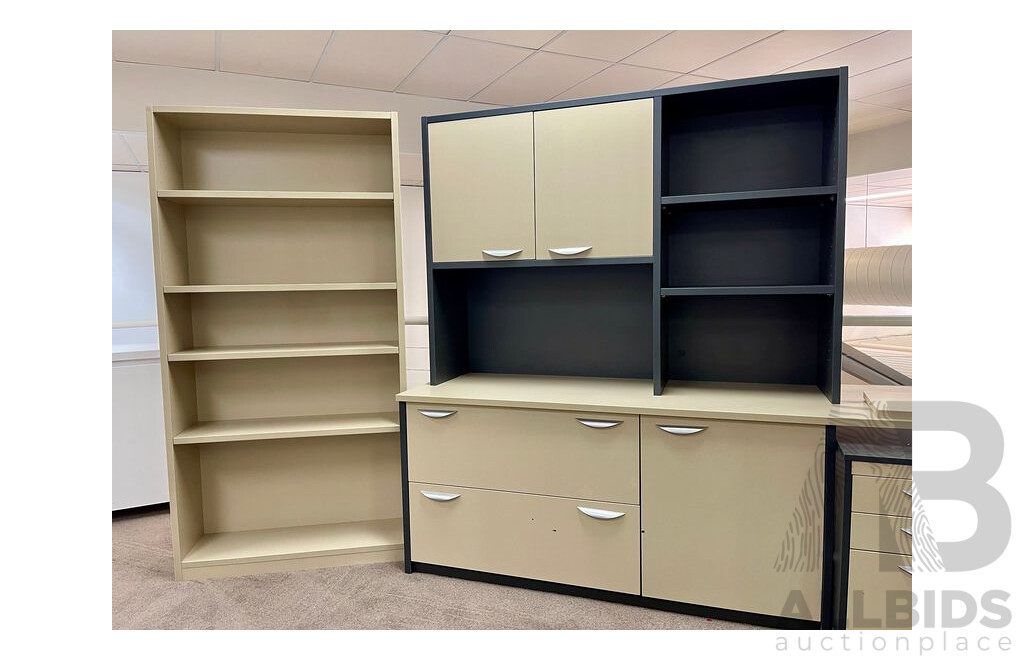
(282, 428)
(826, 289)
(751, 195)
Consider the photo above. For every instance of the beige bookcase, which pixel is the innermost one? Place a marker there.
(279, 294)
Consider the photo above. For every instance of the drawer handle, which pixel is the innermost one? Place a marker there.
(597, 423)
(501, 253)
(907, 531)
(569, 251)
(600, 514)
(907, 569)
(438, 496)
(907, 493)
(437, 414)
(682, 430)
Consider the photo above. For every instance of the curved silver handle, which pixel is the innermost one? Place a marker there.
(907, 531)
(907, 569)
(569, 251)
(437, 414)
(907, 493)
(439, 496)
(600, 514)
(682, 430)
(501, 253)
(597, 423)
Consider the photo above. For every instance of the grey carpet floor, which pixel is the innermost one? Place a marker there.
(380, 596)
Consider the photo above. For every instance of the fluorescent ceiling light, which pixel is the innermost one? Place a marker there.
(885, 195)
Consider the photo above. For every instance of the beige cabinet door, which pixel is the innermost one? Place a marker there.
(595, 176)
(732, 514)
(481, 188)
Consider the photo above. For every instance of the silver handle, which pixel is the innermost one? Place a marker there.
(437, 414)
(907, 569)
(682, 430)
(569, 251)
(907, 493)
(501, 253)
(439, 496)
(597, 423)
(907, 531)
(600, 514)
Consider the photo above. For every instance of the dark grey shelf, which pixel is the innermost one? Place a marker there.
(745, 195)
(814, 289)
(540, 263)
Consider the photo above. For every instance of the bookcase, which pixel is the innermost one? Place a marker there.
(279, 289)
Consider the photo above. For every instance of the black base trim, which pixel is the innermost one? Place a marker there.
(140, 510)
(750, 618)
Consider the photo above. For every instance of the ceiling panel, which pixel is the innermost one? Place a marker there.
(781, 51)
(525, 38)
(882, 49)
(901, 98)
(608, 45)
(274, 53)
(194, 49)
(618, 79)
(687, 79)
(538, 78)
(459, 68)
(122, 155)
(906, 174)
(864, 117)
(686, 50)
(374, 59)
(881, 79)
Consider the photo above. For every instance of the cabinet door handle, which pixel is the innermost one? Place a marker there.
(439, 496)
(597, 423)
(906, 530)
(907, 493)
(907, 569)
(569, 251)
(437, 414)
(600, 514)
(501, 253)
(682, 430)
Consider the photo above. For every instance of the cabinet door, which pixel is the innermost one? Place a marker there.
(481, 188)
(732, 514)
(595, 176)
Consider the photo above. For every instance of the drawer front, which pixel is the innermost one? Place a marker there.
(879, 595)
(530, 536)
(733, 514)
(881, 533)
(887, 470)
(888, 497)
(583, 455)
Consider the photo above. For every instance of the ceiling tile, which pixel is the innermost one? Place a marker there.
(882, 79)
(882, 49)
(865, 117)
(373, 59)
(122, 155)
(137, 143)
(193, 49)
(782, 50)
(900, 97)
(686, 50)
(618, 79)
(525, 38)
(608, 45)
(459, 68)
(906, 173)
(274, 53)
(538, 78)
(687, 79)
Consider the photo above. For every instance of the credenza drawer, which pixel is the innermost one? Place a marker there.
(889, 497)
(568, 454)
(578, 542)
(886, 470)
(869, 531)
(879, 594)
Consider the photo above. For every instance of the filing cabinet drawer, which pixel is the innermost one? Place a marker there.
(583, 455)
(578, 542)
(879, 595)
(881, 533)
(884, 470)
(888, 497)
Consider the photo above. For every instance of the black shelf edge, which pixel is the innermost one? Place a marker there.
(795, 290)
(541, 263)
(776, 193)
